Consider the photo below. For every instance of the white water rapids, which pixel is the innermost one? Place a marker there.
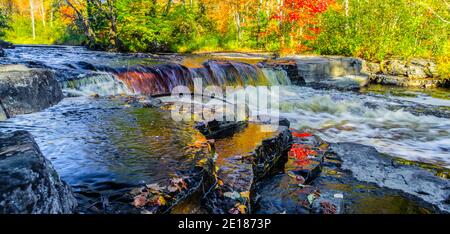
(367, 119)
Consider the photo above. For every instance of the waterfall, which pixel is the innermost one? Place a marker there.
(101, 83)
(162, 78)
(276, 76)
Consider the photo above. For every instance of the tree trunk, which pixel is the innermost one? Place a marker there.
(346, 7)
(32, 19)
(346, 14)
(85, 24)
(114, 39)
(238, 26)
(168, 6)
(42, 10)
(258, 31)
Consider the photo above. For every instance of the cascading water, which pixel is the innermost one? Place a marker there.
(101, 83)
(162, 78)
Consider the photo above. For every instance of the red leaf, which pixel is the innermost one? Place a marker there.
(301, 135)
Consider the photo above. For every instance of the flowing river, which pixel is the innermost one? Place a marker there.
(99, 144)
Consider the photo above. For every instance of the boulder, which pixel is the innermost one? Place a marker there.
(29, 183)
(414, 73)
(404, 81)
(317, 69)
(342, 73)
(25, 90)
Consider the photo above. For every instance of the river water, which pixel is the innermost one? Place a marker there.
(96, 141)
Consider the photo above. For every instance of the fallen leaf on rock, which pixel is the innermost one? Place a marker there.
(233, 210)
(242, 208)
(324, 146)
(136, 191)
(301, 134)
(155, 187)
(245, 195)
(177, 184)
(202, 162)
(159, 201)
(299, 178)
(311, 197)
(328, 208)
(172, 188)
(233, 195)
(140, 201)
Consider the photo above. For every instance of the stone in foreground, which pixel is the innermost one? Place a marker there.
(30, 184)
(25, 90)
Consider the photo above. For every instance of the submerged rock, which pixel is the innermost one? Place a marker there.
(30, 184)
(25, 90)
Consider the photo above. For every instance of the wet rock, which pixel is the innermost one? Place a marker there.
(307, 161)
(86, 66)
(290, 66)
(6, 45)
(26, 90)
(271, 155)
(340, 73)
(238, 173)
(282, 194)
(289, 192)
(404, 81)
(339, 188)
(172, 194)
(317, 69)
(220, 129)
(367, 164)
(235, 178)
(315, 182)
(346, 83)
(30, 184)
(413, 73)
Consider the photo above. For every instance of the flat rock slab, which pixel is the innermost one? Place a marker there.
(25, 90)
(30, 184)
(319, 68)
(367, 164)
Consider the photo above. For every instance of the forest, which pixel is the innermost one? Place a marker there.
(373, 30)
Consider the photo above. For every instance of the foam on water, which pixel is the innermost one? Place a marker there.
(338, 117)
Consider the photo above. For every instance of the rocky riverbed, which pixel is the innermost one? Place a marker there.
(107, 146)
